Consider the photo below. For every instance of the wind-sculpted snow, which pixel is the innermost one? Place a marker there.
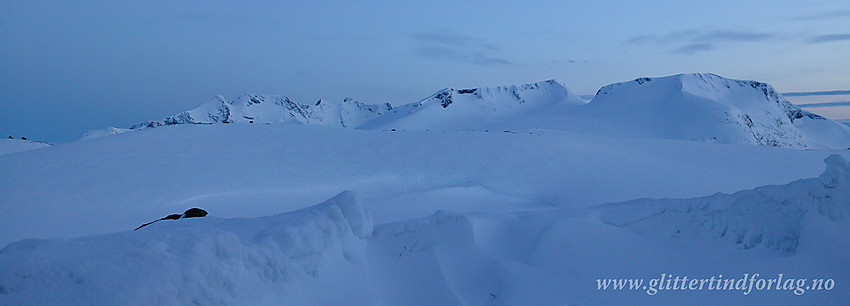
(768, 216)
(332, 254)
(206, 261)
(252, 108)
(441, 253)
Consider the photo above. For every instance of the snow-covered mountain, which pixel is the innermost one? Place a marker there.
(449, 108)
(695, 107)
(109, 131)
(711, 108)
(253, 108)
(476, 108)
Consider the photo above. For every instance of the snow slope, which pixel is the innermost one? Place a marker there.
(820, 133)
(109, 131)
(235, 170)
(209, 261)
(252, 108)
(707, 107)
(333, 254)
(476, 108)
(768, 216)
(8, 146)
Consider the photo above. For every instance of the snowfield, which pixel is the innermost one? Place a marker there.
(246, 170)
(507, 195)
(8, 146)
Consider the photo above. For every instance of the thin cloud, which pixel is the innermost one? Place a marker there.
(448, 38)
(693, 48)
(678, 36)
(825, 104)
(828, 38)
(734, 36)
(568, 61)
(692, 41)
(642, 39)
(701, 37)
(456, 47)
(464, 56)
(816, 93)
(825, 15)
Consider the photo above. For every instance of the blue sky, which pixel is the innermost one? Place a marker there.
(68, 66)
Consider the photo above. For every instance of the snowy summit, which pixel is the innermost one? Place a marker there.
(252, 108)
(707, 107)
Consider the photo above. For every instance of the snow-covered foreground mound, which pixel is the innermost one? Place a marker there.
(330, 254)
(707, 107)
(235, 170)
(8, 146)
(312, 256)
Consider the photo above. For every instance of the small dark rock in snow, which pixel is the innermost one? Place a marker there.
(190, 213)
(194, 212)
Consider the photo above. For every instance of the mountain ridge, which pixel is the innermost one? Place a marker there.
(470, 108)
(257, 108)
(702, 107)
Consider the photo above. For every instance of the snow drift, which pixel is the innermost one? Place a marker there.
(201, 261)
(768, 216)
